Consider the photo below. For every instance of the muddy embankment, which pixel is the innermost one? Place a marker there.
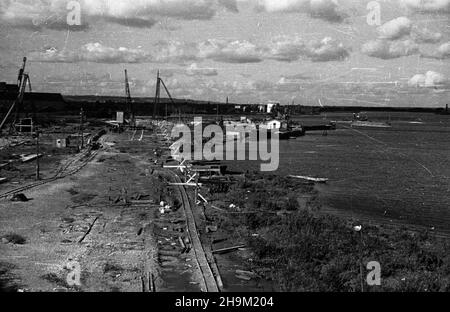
(291, 244)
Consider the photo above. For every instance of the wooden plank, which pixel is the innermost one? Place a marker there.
(88, 231)
(29, 158)
(228, 249)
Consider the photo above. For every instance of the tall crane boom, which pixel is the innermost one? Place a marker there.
(129, 101)
(18, 103)
(23, 80)
(21, 73)
(157, 96)
(160, 82)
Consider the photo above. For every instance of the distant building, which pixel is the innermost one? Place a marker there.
(268, 108)
(271, 105)
(275, 124)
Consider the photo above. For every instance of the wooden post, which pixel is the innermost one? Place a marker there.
(81, 127)
(157, 96)
(196, 189)
(37, 154)
(361, 262)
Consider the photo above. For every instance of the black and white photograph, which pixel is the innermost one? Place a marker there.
(243, 148)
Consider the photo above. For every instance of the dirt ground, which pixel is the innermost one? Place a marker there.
(98, 223)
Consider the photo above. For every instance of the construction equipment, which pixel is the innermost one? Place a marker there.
(23, 80)
(21, 72)
(159, 81)
(129, 102)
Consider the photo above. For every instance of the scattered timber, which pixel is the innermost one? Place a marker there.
(31, 157)
(88, 231)
(227, 250)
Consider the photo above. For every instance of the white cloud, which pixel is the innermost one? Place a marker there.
(430, 79)
(425, 35)
(395, 28)
(194, 70)
(442, 52)
(175, 52)
(227, 51)
(36, 14)
(327, 49)
(324, 9)
(92, 52)
(385, 49)
(286, 49)
(136, 13)
(290, 49)
(427, 5)
(183, 9)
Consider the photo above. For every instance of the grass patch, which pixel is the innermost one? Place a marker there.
(14, 238)
(112, 268)
(7, 281)
(82, 198)
(305, 250)
(55, 279)
(73, 192)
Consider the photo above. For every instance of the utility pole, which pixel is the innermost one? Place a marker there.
(81, 128)
(160, 82)
(217, 111)
(37, 154)
(361, 262)
(157, 96)
(129, 101)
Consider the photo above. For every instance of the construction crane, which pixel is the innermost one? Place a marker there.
(129, 101)
(21, 72)
(23, 80)
(160, 82)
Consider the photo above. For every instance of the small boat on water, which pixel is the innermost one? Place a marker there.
(283, 128)
(361, 120)
(291, 133)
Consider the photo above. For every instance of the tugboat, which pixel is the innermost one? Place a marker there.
(283, 127)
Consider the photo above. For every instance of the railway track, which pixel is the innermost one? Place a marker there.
(209, 280)
(71, 167)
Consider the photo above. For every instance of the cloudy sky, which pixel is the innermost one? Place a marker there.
(336, 52)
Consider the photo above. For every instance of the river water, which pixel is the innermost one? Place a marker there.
(399, 174)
